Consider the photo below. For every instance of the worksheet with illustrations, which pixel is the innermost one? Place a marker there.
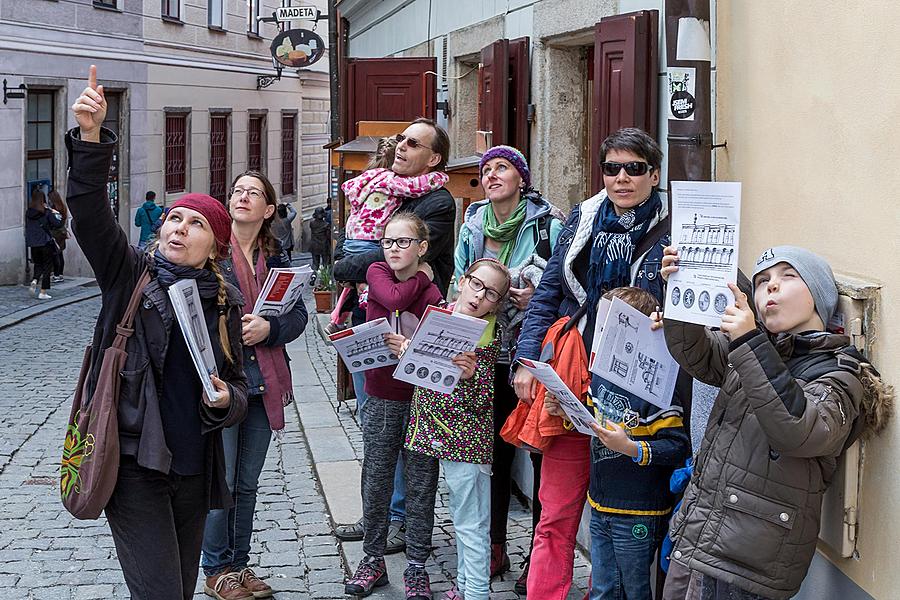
(281, 290)
(602, 311)
(440, 336)
(363, 347)
(189, 313)
(706, 223)
(577, 413)
(634, 357)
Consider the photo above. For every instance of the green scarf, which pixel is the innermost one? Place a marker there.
(505, 232)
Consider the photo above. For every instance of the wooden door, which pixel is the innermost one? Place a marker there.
(493, 96)
(389, 89)
(626, 50)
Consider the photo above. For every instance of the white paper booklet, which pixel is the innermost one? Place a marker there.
(363, 347)
(282, 289)
(706, 223)
(635, 358)
(189, 313)
(602, 311)
(440, 336)
(578, 413)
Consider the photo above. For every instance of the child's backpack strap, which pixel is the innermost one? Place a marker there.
(542, 237)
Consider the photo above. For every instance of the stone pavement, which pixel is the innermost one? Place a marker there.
(18, 303)
(310, 479)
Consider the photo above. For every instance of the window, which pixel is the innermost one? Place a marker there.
(255, 143)
(253, 16)
(288, 127)
(171, 9)
(218, 156)
(39, 137)
(216, 14)
(106, 3)
(176, 151)
(111, 122)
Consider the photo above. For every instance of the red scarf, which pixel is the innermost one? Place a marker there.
(275, 371)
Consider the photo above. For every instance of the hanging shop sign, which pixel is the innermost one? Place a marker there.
(682, 85)
(297, 48)
(296, 13)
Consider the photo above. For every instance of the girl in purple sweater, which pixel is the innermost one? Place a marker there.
(400, 289)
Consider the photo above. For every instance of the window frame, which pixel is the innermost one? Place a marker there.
(106, 4)
(167, 15)
(253, 18)
(39, 154)
(288, 154)
(262, 119)
(219, 150)
(220, 26)
(170, 186)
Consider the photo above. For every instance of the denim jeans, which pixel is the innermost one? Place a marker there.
(226, 540)
(157, 526)
(470, 510)
(398, 499)
(622, 552)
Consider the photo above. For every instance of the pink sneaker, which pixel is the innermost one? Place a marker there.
(453, 594)
(370, 574)
(417, 583)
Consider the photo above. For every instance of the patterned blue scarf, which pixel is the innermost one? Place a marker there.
(614, 240)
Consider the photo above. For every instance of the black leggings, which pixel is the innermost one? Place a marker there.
(42, 258)
(505, 401)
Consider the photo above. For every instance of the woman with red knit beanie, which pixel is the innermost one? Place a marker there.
(171, 469)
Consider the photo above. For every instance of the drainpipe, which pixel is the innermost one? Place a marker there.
(333, 70)
(688, 90)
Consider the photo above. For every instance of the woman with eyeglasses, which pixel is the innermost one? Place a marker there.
(400, 289)
(598, 250)
(254, 250)
(515, 225)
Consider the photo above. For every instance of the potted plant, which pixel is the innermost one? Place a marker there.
(324, 289)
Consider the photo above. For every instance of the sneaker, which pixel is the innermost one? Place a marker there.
(57, 278)
(226, 586)
(353, 532)
(453, 594)
(370, 574)
(499, 560)
(396, 538)
(417, 584)
(521, 587)
(32, 288)
(44, 296)
(253, 584)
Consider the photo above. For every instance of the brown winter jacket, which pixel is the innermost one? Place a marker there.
(786, 407)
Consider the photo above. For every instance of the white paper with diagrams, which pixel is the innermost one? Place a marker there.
(440, 336)
(363, 347)
(189, 313)
(706, 222)
(577, 413)
(634, 357)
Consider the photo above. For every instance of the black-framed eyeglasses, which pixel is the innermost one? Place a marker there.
(411, 141)
(254, 193)
(634, 168)
(402, 243)
(477, 285)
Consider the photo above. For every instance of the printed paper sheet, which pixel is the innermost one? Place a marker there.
(577, 413)
(282, 289)
(440, 336)
(634, 357)
(189, 313)
(706, 228)
(363, 347)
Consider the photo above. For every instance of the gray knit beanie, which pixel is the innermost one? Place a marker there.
(814, 271)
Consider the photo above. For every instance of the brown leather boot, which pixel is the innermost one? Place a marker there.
(226, 586)
(255, 585)
(499, 560)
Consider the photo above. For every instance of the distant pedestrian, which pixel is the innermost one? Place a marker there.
(145, 217)
(283, 230)
(171, 469)
(39, 222)
(60, 234)
(318, 239)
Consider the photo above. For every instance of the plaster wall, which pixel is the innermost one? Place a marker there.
(801, 95)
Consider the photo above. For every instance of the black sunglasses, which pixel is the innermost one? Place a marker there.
(411, 141)
(633, 168)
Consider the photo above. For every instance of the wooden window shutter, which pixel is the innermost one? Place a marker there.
(519, 94)
(626, 51)
(493, 92)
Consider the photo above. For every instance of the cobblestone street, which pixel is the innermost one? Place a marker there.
(311, 478)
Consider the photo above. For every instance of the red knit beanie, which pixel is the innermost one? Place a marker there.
(215, 213)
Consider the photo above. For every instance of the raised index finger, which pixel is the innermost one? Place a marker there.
(740, 298)
(92, 77)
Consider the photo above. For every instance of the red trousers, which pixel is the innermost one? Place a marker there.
(565, 475)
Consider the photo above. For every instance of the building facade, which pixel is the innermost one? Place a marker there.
(792, 92)
(181, 79)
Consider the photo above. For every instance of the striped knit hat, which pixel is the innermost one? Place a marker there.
(514, 156)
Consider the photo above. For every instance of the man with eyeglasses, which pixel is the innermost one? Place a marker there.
(613, 239)
(423, 147)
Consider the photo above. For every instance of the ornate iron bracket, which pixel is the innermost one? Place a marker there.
(13, 93)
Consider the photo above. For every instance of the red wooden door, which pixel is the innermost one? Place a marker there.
(493, 78)
(389, 89)
(519, 94)
(626, 50)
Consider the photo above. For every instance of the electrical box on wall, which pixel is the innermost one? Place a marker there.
(857, 308)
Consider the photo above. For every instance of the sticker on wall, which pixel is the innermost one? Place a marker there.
(682, 84)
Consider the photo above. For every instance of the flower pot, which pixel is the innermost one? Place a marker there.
(323, 301)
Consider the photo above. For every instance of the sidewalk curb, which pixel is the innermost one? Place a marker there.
(23, 314)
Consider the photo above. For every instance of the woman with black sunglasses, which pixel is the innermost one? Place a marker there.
(596, 253)
(518, 227)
